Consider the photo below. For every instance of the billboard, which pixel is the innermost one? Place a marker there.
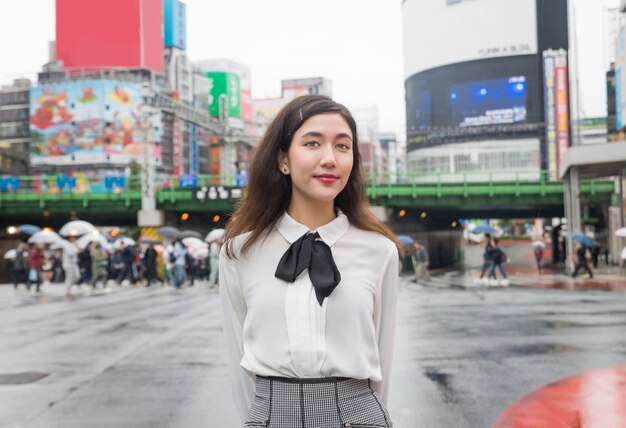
(224, 84)
(104, 34)
(489, 102)
(90, 121)
(175, 24)
(438, 32)
(556, 109)
(245, 83)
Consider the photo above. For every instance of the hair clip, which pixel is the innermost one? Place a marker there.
(300, 111)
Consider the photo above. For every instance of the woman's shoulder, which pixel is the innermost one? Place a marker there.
(373, 240)
(235, 244)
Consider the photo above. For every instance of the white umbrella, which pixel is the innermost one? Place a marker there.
(123, 240)
(215, 235)
(95, 238)
(199, 253)
(76, 228)
(65, 246)
(621, 232)
(11, 254)
(539, 244)
(195, 243)
(44, 237)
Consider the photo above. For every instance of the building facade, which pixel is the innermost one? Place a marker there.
(14, 128)
(476, 97)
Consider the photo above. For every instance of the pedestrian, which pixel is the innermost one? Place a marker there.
(127, 258)
(498, 258)
(20, 266)
(420, 262)
(179, 254)
(487, 256)
(214, 257)
(98, 266)
(595, 255)
(149, 262)
(35, 263)
(538, 256)
(308, 279)
(582, 262)
(70, 267)
(85, 265)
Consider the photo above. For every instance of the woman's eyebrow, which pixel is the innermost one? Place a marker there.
(319, 135)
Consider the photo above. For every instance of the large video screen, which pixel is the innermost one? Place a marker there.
(419, 110)
(489, 102)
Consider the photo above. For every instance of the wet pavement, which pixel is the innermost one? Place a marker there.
(465, 357)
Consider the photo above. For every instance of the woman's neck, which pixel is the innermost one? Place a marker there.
(312, 215)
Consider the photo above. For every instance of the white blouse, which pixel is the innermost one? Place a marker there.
(275, 328)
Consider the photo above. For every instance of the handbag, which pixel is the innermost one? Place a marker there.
(33, 275)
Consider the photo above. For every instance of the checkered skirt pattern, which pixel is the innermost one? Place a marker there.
(316, 403)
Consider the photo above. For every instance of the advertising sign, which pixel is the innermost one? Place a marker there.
(177, 132)
(562, 104)
(91, 121)
(175, 24)
(549, 90)
(227, 84)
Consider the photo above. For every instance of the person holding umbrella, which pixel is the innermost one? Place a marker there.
(582, 262)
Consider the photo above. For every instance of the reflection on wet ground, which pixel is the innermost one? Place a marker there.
(592, 399)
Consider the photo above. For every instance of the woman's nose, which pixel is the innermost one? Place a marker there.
(328, 156)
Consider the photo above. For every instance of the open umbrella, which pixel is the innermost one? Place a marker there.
(483, 228)
(29, 229)
(189, 234)
(168, 232)
(585, 240)
(621, 232)
(76, 228)
(65, 246)
(405, 239)
(123, 240)
(11, 254)
(215, 235)
(539, 244)
(44, 237)
(149, 241)
(195, 242)
(93, 237)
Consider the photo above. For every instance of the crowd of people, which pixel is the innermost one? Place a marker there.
(35, 265)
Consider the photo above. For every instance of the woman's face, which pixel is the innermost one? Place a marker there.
(320, 158)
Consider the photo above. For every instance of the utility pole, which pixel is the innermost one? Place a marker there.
(148, 215)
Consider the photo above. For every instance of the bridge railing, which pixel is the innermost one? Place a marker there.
(113, 184)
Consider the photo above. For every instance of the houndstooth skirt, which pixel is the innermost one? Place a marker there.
(316, 403)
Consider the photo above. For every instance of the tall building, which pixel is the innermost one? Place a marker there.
(177, 65)
(14, 131)
(482, 78)
(106, 34)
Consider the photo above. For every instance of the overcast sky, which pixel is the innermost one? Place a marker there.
(356, 43)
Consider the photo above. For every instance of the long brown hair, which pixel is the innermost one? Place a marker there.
(269, 191)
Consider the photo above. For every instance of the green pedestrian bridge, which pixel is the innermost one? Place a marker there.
(117, 199)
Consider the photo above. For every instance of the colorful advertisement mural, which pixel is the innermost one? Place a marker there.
(91, 121)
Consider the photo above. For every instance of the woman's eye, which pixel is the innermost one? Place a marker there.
(343, 146)
(311, 143)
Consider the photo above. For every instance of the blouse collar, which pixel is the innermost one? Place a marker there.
(330, 233)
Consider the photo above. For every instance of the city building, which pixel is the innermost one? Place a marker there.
(14, 128)
(477, 97)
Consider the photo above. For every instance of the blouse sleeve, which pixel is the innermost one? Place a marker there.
(234, 314)
(385, 320)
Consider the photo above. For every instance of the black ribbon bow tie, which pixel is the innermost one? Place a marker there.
(308, 252)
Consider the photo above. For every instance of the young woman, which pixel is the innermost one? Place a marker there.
(308, 279)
